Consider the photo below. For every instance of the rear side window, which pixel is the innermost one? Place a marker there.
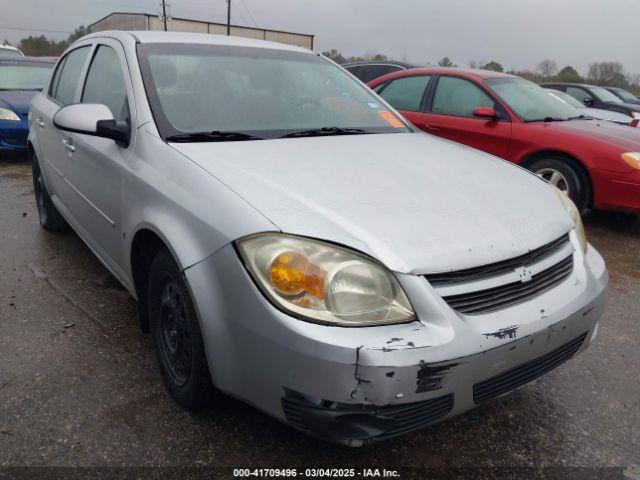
(67, 76)
(105, 83)
(455, 96)
(406, 93)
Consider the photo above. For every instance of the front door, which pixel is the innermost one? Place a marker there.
(450, 115)
(98, 163)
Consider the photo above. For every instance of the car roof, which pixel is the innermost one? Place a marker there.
(468, 73)
(378, 62)
(147, 37)
(24, 59)
(567, 84)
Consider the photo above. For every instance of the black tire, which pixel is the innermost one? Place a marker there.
(573, 180)
(176, 335)
(48, 215)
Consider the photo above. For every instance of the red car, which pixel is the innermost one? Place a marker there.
(597, 163)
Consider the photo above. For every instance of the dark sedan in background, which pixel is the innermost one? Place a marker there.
(596, 97)
(20, 79)
(366, 71)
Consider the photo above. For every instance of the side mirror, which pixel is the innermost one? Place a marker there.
(485, 112)
(588, 102)
(92, 119)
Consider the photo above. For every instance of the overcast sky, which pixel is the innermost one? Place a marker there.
(516, 33)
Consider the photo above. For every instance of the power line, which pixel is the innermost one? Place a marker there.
(34, 29)
(255, 24)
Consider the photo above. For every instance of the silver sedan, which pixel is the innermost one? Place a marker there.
(291, 241)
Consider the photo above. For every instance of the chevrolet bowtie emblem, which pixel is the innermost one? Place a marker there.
(524, 274)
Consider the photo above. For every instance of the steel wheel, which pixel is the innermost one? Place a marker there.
(555, 178)
(174, 336)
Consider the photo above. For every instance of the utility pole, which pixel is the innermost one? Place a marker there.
(228, 17)
(164, 14)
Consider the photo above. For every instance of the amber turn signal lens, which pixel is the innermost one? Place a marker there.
(291, 273)
(632, 159)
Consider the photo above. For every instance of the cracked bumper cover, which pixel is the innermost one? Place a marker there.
(349, 384)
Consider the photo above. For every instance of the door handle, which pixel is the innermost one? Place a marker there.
(68, 145)
(432, 128)
(40, 122)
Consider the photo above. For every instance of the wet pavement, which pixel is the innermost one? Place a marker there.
(79, 385)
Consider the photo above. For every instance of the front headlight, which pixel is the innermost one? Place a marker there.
(573, 212)
(323, 283)
(632, 159)
(6, 114)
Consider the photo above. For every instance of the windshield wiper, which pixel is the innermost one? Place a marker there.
(215, 136)
(555, 119)
(317, 132)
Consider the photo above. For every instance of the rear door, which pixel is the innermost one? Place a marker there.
(449, 115)
(98, 162)
(54, 149)
(407, 95)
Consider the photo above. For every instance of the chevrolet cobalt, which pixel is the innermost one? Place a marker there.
(292, 241)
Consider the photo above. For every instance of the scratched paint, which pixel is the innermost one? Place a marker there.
(430, 377)
(506, 332)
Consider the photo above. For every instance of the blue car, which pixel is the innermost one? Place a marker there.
(20, 79)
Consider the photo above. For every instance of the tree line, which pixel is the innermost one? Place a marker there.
(610, 74)
(41, 46)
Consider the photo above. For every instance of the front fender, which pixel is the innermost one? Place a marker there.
(191, 211)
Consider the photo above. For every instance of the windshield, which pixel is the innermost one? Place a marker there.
(604, 95)
(16, 75)
(528, 101)
(9, 52)
(262, 92)
(566, 98)
(625, 96)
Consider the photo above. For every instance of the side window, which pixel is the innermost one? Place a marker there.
(56, 77)
(456, 96)
(406, 93)
(67, 82)
(105, 83)
(579, 94)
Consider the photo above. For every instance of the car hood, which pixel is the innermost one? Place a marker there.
(417, 203)
(616, 135)
(16, 100)
(607, 115)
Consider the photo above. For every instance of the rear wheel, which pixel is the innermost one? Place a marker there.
(176, 335)
(48, 215)
(566, 176)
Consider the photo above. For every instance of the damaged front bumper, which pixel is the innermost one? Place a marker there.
(359, 385)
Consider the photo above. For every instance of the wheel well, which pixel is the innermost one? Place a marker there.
(146, 244)
(579, 166)
(31, 152)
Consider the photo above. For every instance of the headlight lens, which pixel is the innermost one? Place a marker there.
(632, 159)
(573, 212)
(6, 114)
(324, 283)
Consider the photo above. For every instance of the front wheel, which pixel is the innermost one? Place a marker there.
(176, 335)
(565, 176)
